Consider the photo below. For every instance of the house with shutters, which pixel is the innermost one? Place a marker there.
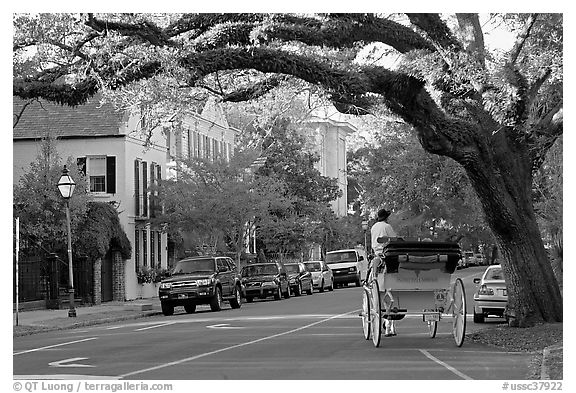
(120, 168)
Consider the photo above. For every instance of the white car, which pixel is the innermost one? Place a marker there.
(322, 277)
(491, 298)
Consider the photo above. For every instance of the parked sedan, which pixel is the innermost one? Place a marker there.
(300, 278)
(491, 298)
(322, 277)
(265, 279)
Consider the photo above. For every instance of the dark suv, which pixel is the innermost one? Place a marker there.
(201, 280)
(265, 279)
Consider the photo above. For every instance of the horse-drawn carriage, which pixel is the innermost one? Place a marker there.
(414, 278)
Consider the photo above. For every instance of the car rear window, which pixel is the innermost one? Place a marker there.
(337, 257)
(494, 274)
(313, 266)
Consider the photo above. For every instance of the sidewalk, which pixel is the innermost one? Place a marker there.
(35, 321)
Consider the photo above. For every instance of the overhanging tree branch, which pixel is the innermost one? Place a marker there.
(436, 30)
(521, 39)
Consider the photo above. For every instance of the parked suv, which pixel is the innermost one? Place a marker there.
(201, 280)
(265, 279)
(345, 266)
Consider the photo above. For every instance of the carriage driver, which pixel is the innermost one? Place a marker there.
(382, 231)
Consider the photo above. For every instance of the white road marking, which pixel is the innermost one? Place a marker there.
(224, 326)
(54, 346)
(66, 363)
(154, 326)
(446, 365)
(332, 334)
(160, 366)
(62, 376)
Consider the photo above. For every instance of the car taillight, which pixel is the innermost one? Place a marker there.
(484, 290)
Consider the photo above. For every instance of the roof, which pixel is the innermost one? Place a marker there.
(329, 115)
(214, 113)
(88, 120)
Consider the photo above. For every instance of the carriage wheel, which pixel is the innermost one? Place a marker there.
(366, 314)
(432, 328)
(375, 314)
(458, 312)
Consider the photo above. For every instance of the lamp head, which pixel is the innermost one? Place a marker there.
(66, 185)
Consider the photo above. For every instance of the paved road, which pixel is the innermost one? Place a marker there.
(301, 338)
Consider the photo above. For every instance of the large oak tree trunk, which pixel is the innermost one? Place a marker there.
(504, 188)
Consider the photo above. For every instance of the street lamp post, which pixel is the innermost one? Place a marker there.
(66, 187)
(365, 228)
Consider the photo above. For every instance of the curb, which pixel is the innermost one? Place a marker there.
(34, 329)
(544, 370)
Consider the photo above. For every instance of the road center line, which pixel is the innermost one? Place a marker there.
(54, 346)
(160, 366)
(440, 362)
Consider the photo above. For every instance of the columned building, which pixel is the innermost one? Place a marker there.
(329, 131)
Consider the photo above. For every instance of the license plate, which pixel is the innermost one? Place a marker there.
(182, 296)
(431, 317)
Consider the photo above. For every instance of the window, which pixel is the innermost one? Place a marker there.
(97, 173)
(222, 265)
(101, 172)
(231, 264)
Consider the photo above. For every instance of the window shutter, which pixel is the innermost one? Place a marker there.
(136, 249)
(153, 193)
(111, 175)
(189, 144)
(152, 249)
(137, 187)
(145, 188)
(81, 162)
(159, 237)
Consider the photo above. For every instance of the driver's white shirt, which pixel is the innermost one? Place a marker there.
(380, 229)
